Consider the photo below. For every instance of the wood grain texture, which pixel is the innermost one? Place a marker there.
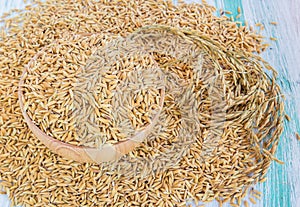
(282, 189)
(283, 186)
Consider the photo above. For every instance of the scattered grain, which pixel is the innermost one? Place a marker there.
(252, 200)
(298, 136)
(273, 38)
(45, 178)
(287, 117)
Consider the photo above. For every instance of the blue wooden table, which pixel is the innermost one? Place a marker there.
(282, 189)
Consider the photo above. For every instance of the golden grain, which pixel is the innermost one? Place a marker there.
(256, 196)
(297, 136)
(252, 200)
(70, 183)
(273, 38)
(287, 117)
(238, 16)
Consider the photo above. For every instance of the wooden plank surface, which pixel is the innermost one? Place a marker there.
(283, 184)
(282, 188)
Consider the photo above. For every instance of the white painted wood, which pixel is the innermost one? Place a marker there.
(285, 57)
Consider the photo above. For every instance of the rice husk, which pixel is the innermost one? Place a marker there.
(240, 156)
